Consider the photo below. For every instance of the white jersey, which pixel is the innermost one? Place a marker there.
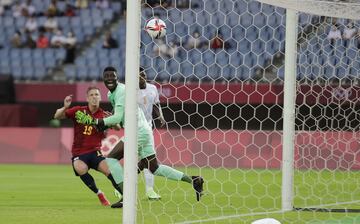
(146, 99)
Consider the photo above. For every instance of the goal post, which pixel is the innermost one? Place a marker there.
(267, 116)
(131, 110)
(289, 110)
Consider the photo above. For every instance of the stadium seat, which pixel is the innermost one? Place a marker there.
(70, 72)
(186, 69)
(218, 19)
(81, 73)
(214, 72)
(232, 19)
(200, 71)
(203, 18)
(189, 17)
(194, 56)
(208, 58)
(246, 20)
(254, 7)
(40, 72)
(28, 72)
(240, 6)
(228, 72)
(16, 71)
(5, 69)
(222, 58)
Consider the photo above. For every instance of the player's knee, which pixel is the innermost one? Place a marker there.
(80, 167)
(153, 167)
(81, 171)
(103, 168)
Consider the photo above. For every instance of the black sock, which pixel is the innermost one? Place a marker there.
(90, 182)
(118, 187)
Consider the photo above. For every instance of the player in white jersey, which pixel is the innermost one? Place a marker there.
(148, 101)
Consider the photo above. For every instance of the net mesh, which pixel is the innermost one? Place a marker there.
(223, 105)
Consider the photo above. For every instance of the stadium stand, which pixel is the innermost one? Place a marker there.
(247, 29)
(35, 64)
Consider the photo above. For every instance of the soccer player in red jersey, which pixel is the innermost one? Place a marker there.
(86, 152)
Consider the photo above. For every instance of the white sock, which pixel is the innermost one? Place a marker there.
(149, 180)
(99, 192)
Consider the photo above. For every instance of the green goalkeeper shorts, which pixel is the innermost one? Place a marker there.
(145, 143)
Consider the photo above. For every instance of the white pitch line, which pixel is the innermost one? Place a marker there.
(229, 217)
(332, 204)
(254, 214)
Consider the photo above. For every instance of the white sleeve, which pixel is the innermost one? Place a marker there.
(156, 98)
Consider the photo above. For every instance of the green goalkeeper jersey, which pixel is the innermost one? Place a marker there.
(117, 99)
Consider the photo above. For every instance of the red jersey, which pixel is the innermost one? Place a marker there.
(86, 137)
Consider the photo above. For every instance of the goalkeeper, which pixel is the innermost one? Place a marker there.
(145, 139)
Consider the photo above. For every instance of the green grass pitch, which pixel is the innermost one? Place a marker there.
(46, 194)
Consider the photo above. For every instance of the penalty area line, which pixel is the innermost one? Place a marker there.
(229, 217)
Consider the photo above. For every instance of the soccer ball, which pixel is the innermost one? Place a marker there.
(156, 28)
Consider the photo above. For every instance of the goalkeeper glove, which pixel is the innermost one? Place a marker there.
(86, 119)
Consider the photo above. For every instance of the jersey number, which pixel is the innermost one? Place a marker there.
(88, 130)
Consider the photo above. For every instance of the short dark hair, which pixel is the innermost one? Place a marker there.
(110, 69)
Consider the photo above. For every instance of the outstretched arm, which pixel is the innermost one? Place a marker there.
(60, 113)
(157, 114)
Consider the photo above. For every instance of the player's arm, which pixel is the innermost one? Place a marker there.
(116, 118)
(116, 127)
(101, 123)
(157, 114)
(157, 111)
(60, 113)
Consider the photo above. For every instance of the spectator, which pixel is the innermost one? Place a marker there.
(172, 49)
(109, 41)
(81, 4)
(52, 10)
(70, 46)
(28, 9)
(161, 49)
(194, 41)
(155, 3)
(31, 24)
(6, 4)
(51, 24)
(218, 42)
(1, 10)
(29, 41)
(17, 10)
(16, 40)
(349, 32)
(42, 41)
(102, 4)
(334, 34)
(58, 40)
(69, 10)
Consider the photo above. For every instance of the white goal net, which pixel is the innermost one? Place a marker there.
(223, 101)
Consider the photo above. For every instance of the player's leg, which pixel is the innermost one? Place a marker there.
(103, 168)
(148, 160)
(149, 185)
(81, 168)
(112, 160)
(151, 163)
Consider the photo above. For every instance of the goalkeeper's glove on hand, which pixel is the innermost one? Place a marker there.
(86, 119)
